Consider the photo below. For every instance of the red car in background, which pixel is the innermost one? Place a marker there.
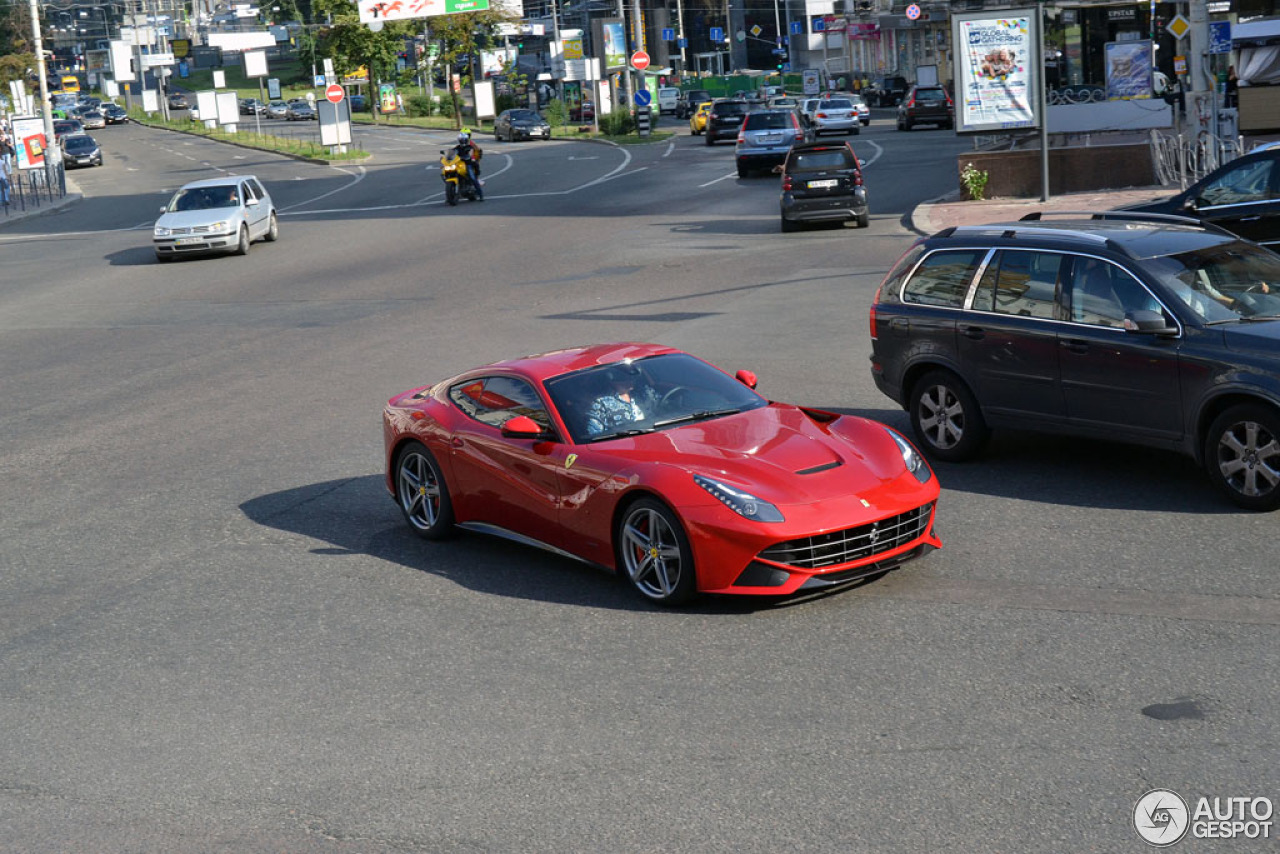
(698, 484)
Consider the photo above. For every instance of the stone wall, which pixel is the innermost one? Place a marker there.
(1016, 174)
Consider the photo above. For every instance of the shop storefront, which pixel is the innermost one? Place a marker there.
(1077, 38)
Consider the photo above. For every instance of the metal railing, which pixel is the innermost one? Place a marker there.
(26, 189)
(1183, 159)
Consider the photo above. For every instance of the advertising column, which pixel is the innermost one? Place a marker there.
(996, 71)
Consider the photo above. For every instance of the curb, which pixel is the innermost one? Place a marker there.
(920, 220)
(74, 194)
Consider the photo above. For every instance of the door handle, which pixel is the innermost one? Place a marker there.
(1250, 218)
(456, 441)
(1075, 345)
(977, 333)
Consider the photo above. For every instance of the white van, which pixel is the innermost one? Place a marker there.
(668, 99)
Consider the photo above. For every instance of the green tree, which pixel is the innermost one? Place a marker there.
(351, 44)
(463, 35)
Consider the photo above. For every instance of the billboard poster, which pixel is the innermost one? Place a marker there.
(28, 141)
(615, 44)
(400, 10)
(1129, 72)
(995, 71)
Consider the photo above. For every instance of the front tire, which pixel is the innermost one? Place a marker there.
(422, 493)
(242, 248)
(654, 553)
(1242, 456)
(946, 418)
(451, 193)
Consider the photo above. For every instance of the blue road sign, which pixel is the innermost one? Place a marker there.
(682, 43)
(643, 97)
(779, 51)
(1219, 37)
(717, 34)
(786, 66)
(318, 80)
(668, 34)
(797, 28)
(819, 25)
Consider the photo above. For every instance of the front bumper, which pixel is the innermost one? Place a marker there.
(808, 551)
(530, 133)
(196, 244)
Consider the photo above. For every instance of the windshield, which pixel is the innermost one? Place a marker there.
(524, 116)
(205, 198)
(647, 395)
(1227, 282)
(78, 143)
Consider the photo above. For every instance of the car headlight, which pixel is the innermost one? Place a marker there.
(914, 462)
(162, 231)
(743, 503)
(220, 226)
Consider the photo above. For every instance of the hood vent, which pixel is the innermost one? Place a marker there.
(823, 467)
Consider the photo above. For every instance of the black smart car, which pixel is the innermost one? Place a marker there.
(1242, 196)
(822, 182)
(1126, 327)
(725, 119)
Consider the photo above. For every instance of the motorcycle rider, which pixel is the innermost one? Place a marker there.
(470, 153)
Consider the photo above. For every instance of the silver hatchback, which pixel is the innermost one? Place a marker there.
(835, 115)
(215, 215)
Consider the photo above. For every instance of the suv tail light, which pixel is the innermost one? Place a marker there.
(786, 183)
(742, 137)
(911, 102)
(873, 315)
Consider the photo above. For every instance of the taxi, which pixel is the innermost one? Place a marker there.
(698, 121)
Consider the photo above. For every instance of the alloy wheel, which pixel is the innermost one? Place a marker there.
(1248, 457)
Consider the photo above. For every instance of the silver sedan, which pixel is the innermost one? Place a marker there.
(835, 115)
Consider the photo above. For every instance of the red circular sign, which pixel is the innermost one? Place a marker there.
(640, 60)
(335, 93)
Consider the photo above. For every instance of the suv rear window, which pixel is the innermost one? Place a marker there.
(931, 95)
(823, 159)
(943, 278)
(768, 121)
(730, 108)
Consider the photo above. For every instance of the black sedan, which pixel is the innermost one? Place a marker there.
(1242, 196)
(80, 149)
(521, 124)
(114, 114)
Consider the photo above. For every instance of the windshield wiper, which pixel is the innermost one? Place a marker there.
(700, 415)
(1257, 318)
(617, 434)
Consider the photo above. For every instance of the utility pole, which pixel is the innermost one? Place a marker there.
(52, 153)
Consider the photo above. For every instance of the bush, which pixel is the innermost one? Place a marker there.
(617, 123)
(419, 104)
(556, 113)
(445, 106)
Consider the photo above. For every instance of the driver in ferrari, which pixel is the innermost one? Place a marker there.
(629, 399)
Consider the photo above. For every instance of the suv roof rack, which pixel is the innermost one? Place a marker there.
(1011, 230)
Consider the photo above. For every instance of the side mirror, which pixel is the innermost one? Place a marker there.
(521, 427)
(1144, 322)
(747, 378)
(163, 208)
(253, 203)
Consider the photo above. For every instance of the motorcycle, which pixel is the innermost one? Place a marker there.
(457, 178)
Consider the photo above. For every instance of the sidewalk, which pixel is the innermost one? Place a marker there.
(936, 215)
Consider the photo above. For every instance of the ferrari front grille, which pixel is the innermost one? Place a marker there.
(851, 544)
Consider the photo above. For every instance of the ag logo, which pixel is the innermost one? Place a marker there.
(1161, 817)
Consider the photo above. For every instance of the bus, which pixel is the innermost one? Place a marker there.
(70, 83)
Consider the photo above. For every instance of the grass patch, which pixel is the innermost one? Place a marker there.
(248, 139)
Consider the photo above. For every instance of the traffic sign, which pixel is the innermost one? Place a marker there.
(717, 34)
(682, 43)
(335, 94)
(318, 80)
(643, 98)
(668, 34)
(1179, 26)
(819, 24)
(913, 11)
(639, 60)
(797, 28)
(1219, 37)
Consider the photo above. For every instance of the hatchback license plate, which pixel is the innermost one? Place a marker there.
(187, 241)
(818, 185)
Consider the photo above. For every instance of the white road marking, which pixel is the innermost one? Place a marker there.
(718, 180)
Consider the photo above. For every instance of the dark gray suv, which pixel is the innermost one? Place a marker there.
(1126, 327)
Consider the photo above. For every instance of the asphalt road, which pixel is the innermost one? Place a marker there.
(217, 634)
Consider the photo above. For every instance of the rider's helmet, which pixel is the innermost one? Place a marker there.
(463, 138)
